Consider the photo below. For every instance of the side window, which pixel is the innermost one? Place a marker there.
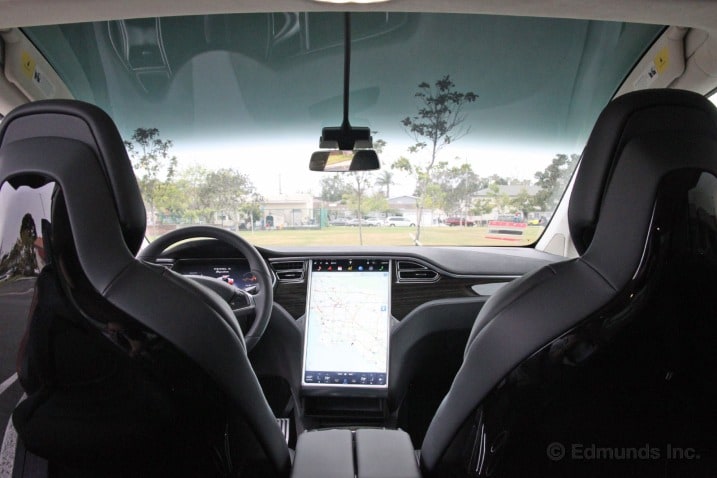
(713, 97)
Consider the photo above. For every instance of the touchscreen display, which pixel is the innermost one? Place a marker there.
(347, 323)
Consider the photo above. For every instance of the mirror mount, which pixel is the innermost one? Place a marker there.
(349, 147)
(346, 137)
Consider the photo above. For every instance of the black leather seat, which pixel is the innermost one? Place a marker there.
(129, 368)
(603, 365)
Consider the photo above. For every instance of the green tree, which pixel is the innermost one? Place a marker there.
(438, 122)
(172, 201)
(375, 202)
(385, 178)
(385, 181)
(354, 198)
(22, 259)
(500, 200)
(225, 192)
(153, 163)
(252, 207)
(482, 206)
(334, 187)
(499, 180)
(524, 202)
(191, 181)
(518, 182)
(458, 185)
(553, 180)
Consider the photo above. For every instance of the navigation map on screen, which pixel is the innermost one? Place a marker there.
(347, 323)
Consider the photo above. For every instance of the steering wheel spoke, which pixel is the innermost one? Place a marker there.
(243, 306)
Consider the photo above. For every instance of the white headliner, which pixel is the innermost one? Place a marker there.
(692, 13)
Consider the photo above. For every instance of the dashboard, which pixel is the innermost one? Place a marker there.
(350, 345)
(418, 275)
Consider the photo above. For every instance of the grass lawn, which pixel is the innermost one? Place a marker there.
(387, 236)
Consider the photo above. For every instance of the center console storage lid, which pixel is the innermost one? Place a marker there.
(324, 454)
(364, 453)
(384, 453)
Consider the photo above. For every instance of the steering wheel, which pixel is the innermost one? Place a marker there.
(242, 303)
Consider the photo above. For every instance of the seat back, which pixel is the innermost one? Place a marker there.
(554, 353)
(112, 342)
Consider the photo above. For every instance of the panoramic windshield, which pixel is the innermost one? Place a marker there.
(478, 120)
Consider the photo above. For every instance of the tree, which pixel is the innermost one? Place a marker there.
(225, 192)
(153, 164)
(376, 202)
(252, 207)
(171, 201)
(499, 180)
(22, 259)
(553, 180)
(385, 180)
(354, 197)
(458, 185)
(500, 201)
(190, 182)
(518, 182)
(334, 187)
(438, 122)
(524, 202)
(357, 197)
(482, 207)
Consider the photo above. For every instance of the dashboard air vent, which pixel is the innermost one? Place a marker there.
(289, 271)
(409, 271)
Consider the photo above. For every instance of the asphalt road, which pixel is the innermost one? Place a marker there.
(15, 298)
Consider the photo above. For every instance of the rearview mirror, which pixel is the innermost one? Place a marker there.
(337, 161)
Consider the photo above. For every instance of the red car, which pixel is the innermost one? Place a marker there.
(459, 221)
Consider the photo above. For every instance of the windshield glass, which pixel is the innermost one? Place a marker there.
(478, 120)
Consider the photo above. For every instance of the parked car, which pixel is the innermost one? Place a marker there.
(459, 221)
(393, 221)
(367, 221)
(542, 221)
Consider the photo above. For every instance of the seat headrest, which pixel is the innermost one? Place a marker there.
(627, 117)
(90, 125)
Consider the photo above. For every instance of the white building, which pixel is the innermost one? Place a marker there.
(289, 211)
(406, 206)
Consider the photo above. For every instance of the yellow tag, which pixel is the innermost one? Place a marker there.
(28, 64)
(661, 60)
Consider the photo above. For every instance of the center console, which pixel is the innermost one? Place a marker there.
(345, 372)
(363, 453)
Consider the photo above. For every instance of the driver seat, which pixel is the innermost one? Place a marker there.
(129, 368)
